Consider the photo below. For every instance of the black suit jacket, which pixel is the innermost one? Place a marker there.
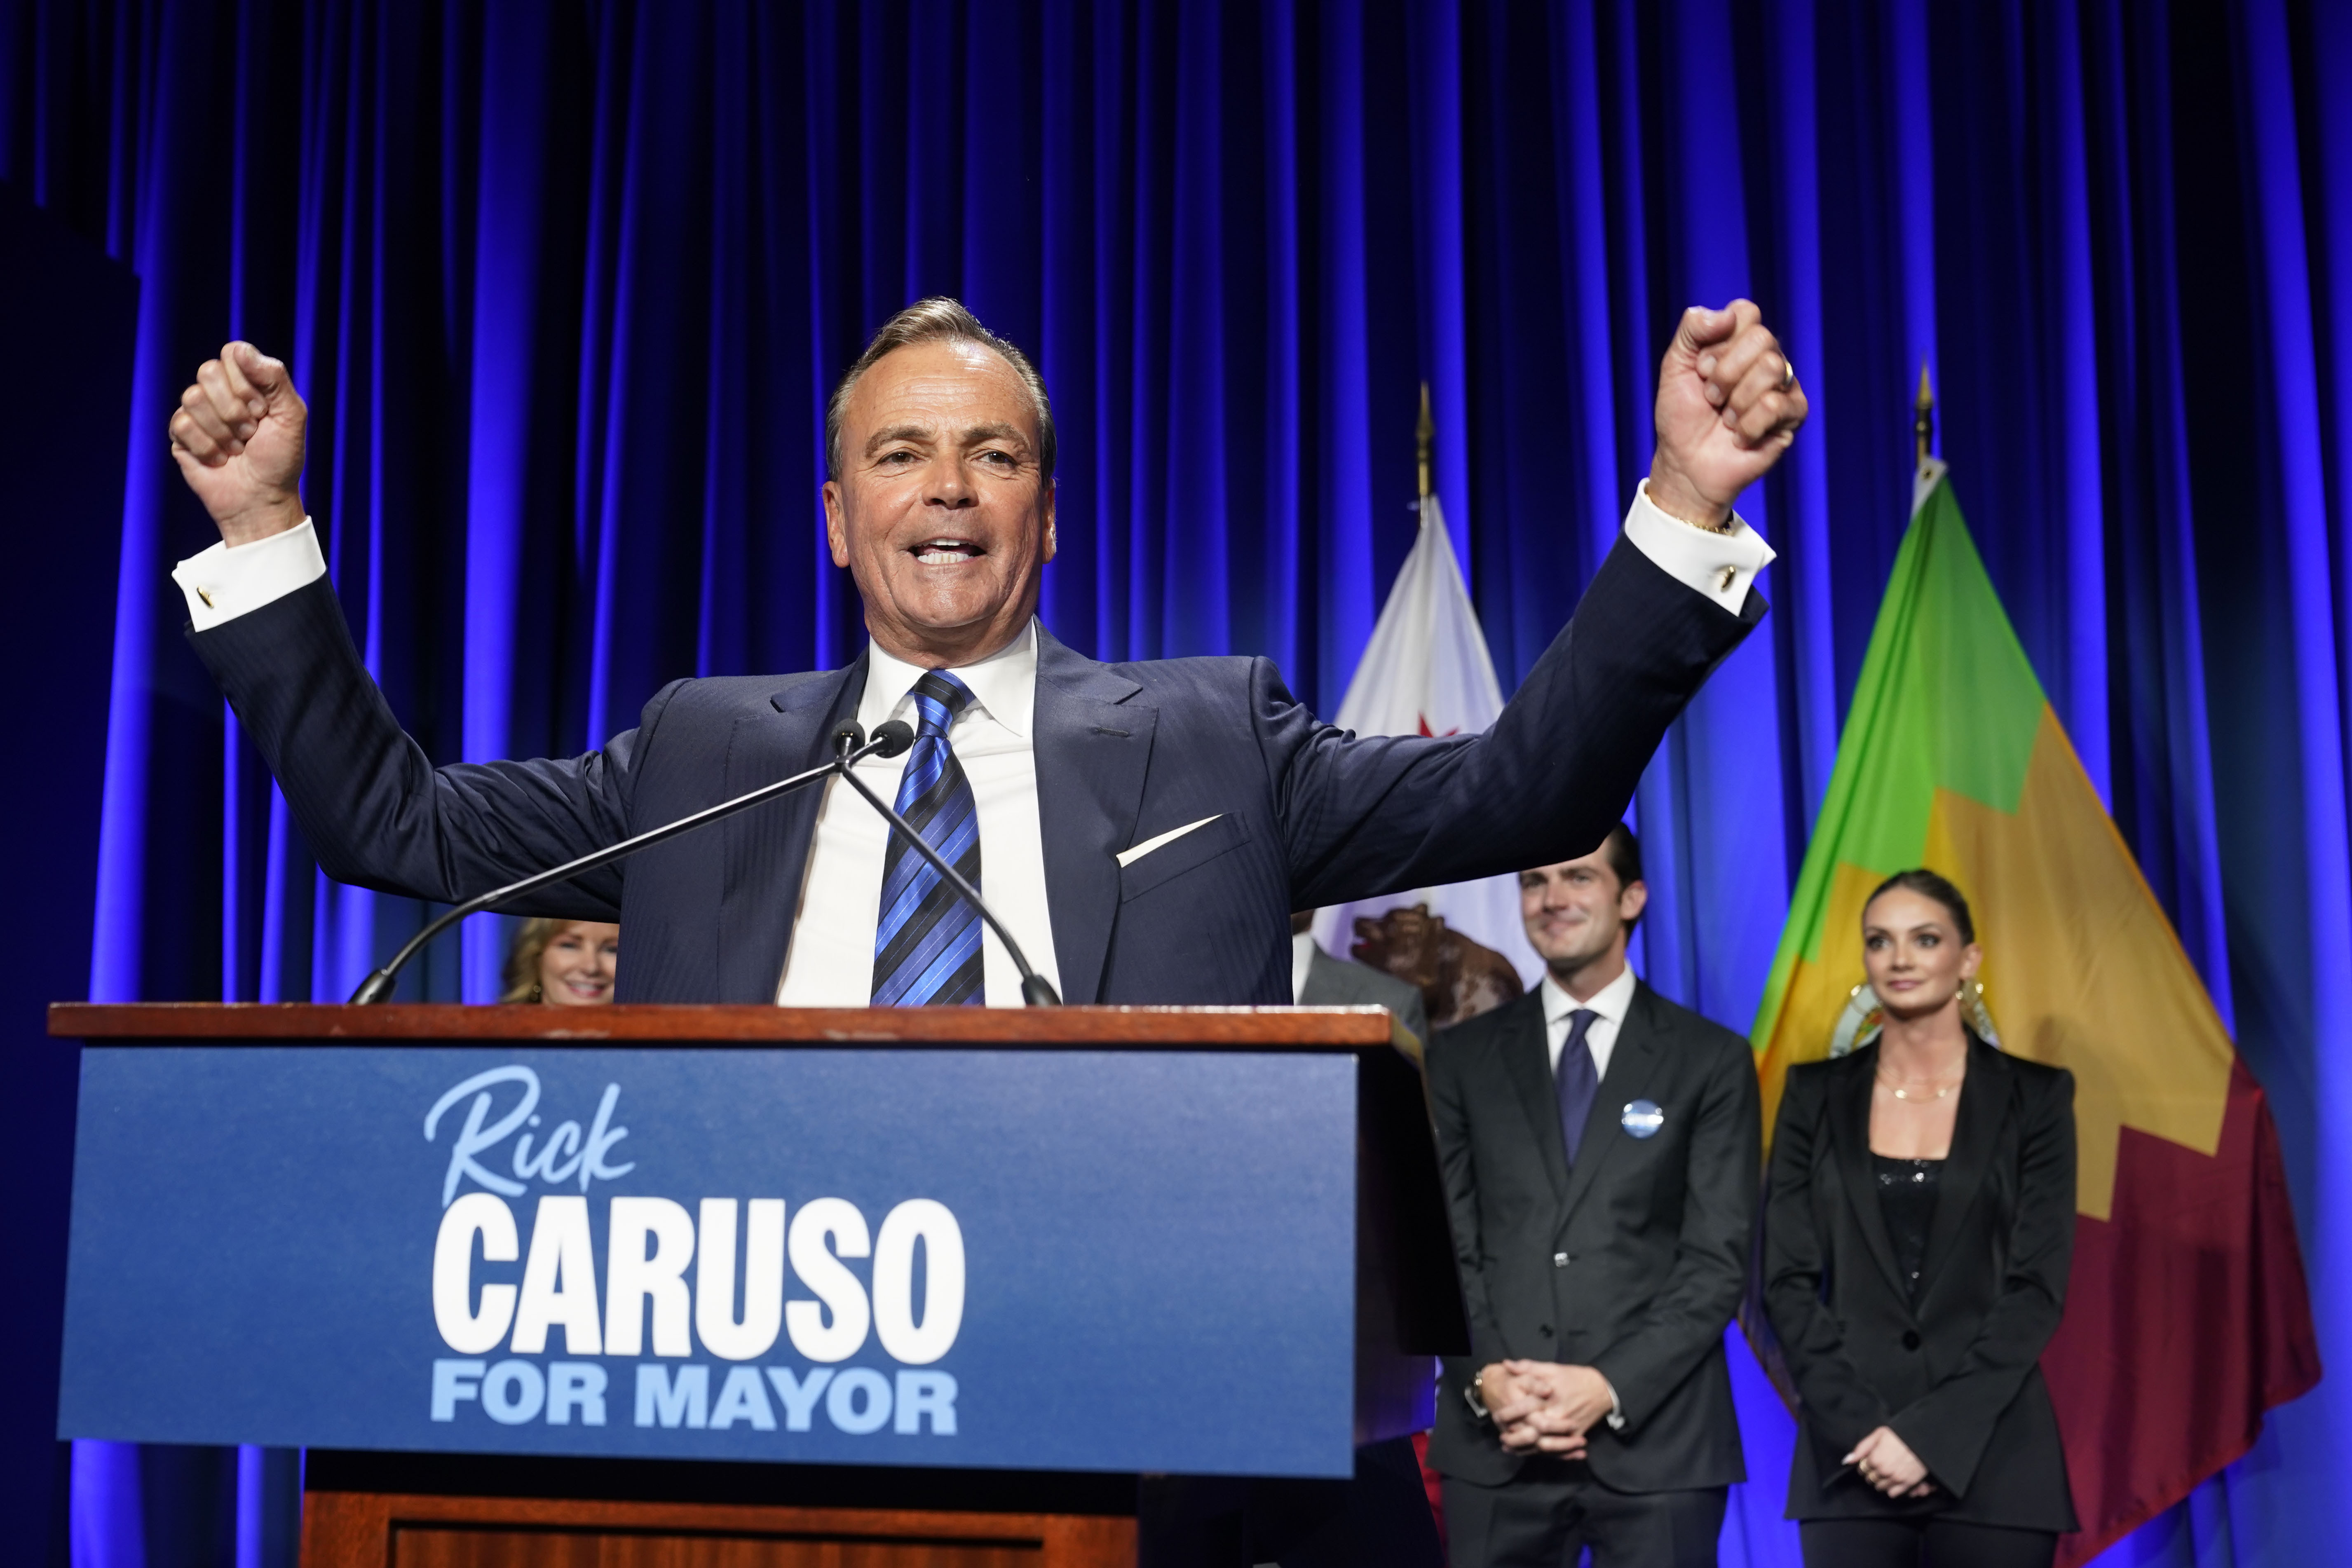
(1633, 1263)
(1305, 814)
(1343, 983)
(1957, 1377)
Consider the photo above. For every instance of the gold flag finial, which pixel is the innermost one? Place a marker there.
(1424, 435)
(1923, 415)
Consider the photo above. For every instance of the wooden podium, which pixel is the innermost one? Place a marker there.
(1189, 1187)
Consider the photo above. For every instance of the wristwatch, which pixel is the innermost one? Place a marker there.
(1472, 1394)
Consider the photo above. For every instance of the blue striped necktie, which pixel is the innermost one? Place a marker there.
(927, 943)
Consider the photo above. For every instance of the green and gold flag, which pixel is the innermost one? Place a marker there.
(2186, 1317)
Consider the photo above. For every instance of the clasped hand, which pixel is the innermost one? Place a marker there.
(1543, 1407)
(1888, 1462)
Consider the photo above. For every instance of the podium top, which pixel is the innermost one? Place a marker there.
(1049, 1028)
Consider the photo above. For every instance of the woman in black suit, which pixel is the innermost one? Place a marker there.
(1918, 1225)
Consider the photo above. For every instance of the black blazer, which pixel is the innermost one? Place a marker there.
(1303, 814)
(1633, 1263)
(1958, 1379)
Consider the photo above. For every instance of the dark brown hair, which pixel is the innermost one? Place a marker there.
(1623, 853)
(939, 320)
(1928, 885)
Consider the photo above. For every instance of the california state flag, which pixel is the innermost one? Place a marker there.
(2186, 1317)
(1426, 672)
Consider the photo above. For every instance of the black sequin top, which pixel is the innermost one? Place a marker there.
(1907, 1197)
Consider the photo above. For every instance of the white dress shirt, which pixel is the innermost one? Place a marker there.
(831, 959)
(1610, 1002)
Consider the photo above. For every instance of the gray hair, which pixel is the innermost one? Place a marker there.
(938, 320)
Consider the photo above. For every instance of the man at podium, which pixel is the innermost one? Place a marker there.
(1143, 828)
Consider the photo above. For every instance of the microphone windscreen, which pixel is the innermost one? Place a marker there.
(848, 736)
(894, 737)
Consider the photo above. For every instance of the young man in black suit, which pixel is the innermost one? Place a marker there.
(1601, 1147)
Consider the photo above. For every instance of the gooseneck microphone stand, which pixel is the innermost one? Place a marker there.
(1037, 991)
(851, 747)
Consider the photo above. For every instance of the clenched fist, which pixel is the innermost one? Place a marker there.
(238, 437)
(1728, 406)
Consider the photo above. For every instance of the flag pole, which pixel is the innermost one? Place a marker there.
(1923, 414)
(1424, 436)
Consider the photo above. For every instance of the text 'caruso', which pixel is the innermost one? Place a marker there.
(649, 1245)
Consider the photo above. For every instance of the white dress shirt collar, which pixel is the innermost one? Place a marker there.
(1004, 684)
(1613, 1000)
(1609, 1004)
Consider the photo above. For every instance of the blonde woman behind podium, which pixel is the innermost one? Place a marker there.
(563, 964)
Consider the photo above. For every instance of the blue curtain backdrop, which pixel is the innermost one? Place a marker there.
(566, 284)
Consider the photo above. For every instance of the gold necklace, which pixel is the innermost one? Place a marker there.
(1913, 1100)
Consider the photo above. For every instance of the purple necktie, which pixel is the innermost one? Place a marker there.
(1575, 1080)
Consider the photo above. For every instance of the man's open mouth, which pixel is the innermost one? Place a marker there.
(947, 551)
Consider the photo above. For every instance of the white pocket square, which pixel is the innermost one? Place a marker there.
(1129, 857)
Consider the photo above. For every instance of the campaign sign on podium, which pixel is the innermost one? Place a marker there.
(1013, 1258)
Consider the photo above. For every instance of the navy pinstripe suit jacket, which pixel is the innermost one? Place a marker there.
(1305, 814)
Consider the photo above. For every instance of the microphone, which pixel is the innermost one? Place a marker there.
(850, 746)
(890, 739)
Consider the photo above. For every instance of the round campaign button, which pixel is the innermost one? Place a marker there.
(1643, 1118)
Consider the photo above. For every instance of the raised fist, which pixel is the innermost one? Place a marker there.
(238, 437)
(1728, 406)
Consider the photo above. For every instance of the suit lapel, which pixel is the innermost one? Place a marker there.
(1985, 1093)
(766, 850)
(1526, 1062)
(1093, 749)
(1633, 1061)
(1850, 1131)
